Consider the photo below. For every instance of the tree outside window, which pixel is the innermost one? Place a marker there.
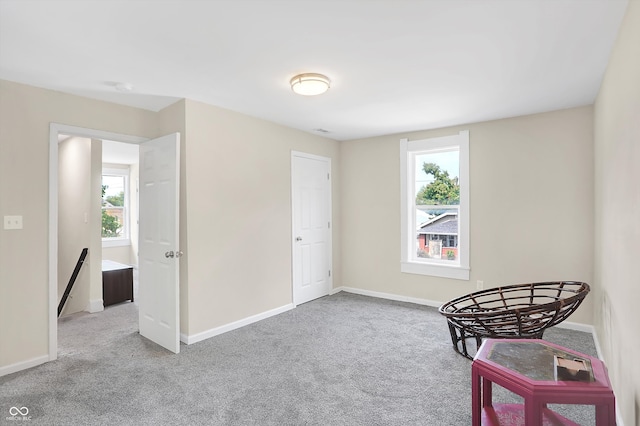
(114, 206)
(442, 189)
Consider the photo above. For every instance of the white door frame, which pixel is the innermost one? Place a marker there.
(293, 230)
(54, 130)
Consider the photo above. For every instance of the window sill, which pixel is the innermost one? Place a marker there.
(116, 242)
(444, 271)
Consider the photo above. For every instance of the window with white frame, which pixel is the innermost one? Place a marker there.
(115, 207)
(435, 206)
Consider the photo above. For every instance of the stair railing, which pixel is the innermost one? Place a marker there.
(72, 280)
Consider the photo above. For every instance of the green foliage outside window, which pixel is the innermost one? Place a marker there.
(110, 224)
(116, 200)
(443, 189)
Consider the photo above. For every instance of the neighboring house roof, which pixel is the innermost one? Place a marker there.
(422, 217)
(445, 224)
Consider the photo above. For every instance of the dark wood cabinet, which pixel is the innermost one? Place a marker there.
(117, 282)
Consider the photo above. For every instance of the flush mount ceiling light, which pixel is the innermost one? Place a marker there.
(310, 84)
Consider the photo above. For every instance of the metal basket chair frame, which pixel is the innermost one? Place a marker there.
(513, 311)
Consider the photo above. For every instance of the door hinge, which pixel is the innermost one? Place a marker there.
(328, 176)
(329, 272)
(329, 225)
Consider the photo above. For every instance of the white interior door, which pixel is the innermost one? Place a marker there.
(158, 293)
(311, 205)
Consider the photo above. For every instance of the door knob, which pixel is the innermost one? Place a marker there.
(169, 254)
(298, 238)
(179, 253)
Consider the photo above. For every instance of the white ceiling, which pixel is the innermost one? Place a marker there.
(395, 65)
(119, 153)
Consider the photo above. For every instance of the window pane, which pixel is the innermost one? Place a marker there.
(437, 176)
(113, 206)
(113, 190)
(437, 205)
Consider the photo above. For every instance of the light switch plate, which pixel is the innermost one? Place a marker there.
(13, 222)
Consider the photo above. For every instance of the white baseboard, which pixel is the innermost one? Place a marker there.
(95, 305)
(565, 324)
(597, 342)
(189, 339)
(594, 333)
(388, 296)
(23, 365)
(568, 325)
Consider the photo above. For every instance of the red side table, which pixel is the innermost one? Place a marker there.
(526, 367)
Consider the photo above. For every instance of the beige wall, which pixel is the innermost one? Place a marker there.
(121, 254)
(531, 202)
(617, 216)
(239, 213)
(25, 115)
(74, 207)
(95, 229)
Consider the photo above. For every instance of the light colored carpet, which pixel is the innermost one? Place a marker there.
(339, 360)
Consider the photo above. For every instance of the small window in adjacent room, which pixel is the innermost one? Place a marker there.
(115, 204)
(435, 206)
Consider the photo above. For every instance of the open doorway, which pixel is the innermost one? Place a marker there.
(75, 211)
(98, 219)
